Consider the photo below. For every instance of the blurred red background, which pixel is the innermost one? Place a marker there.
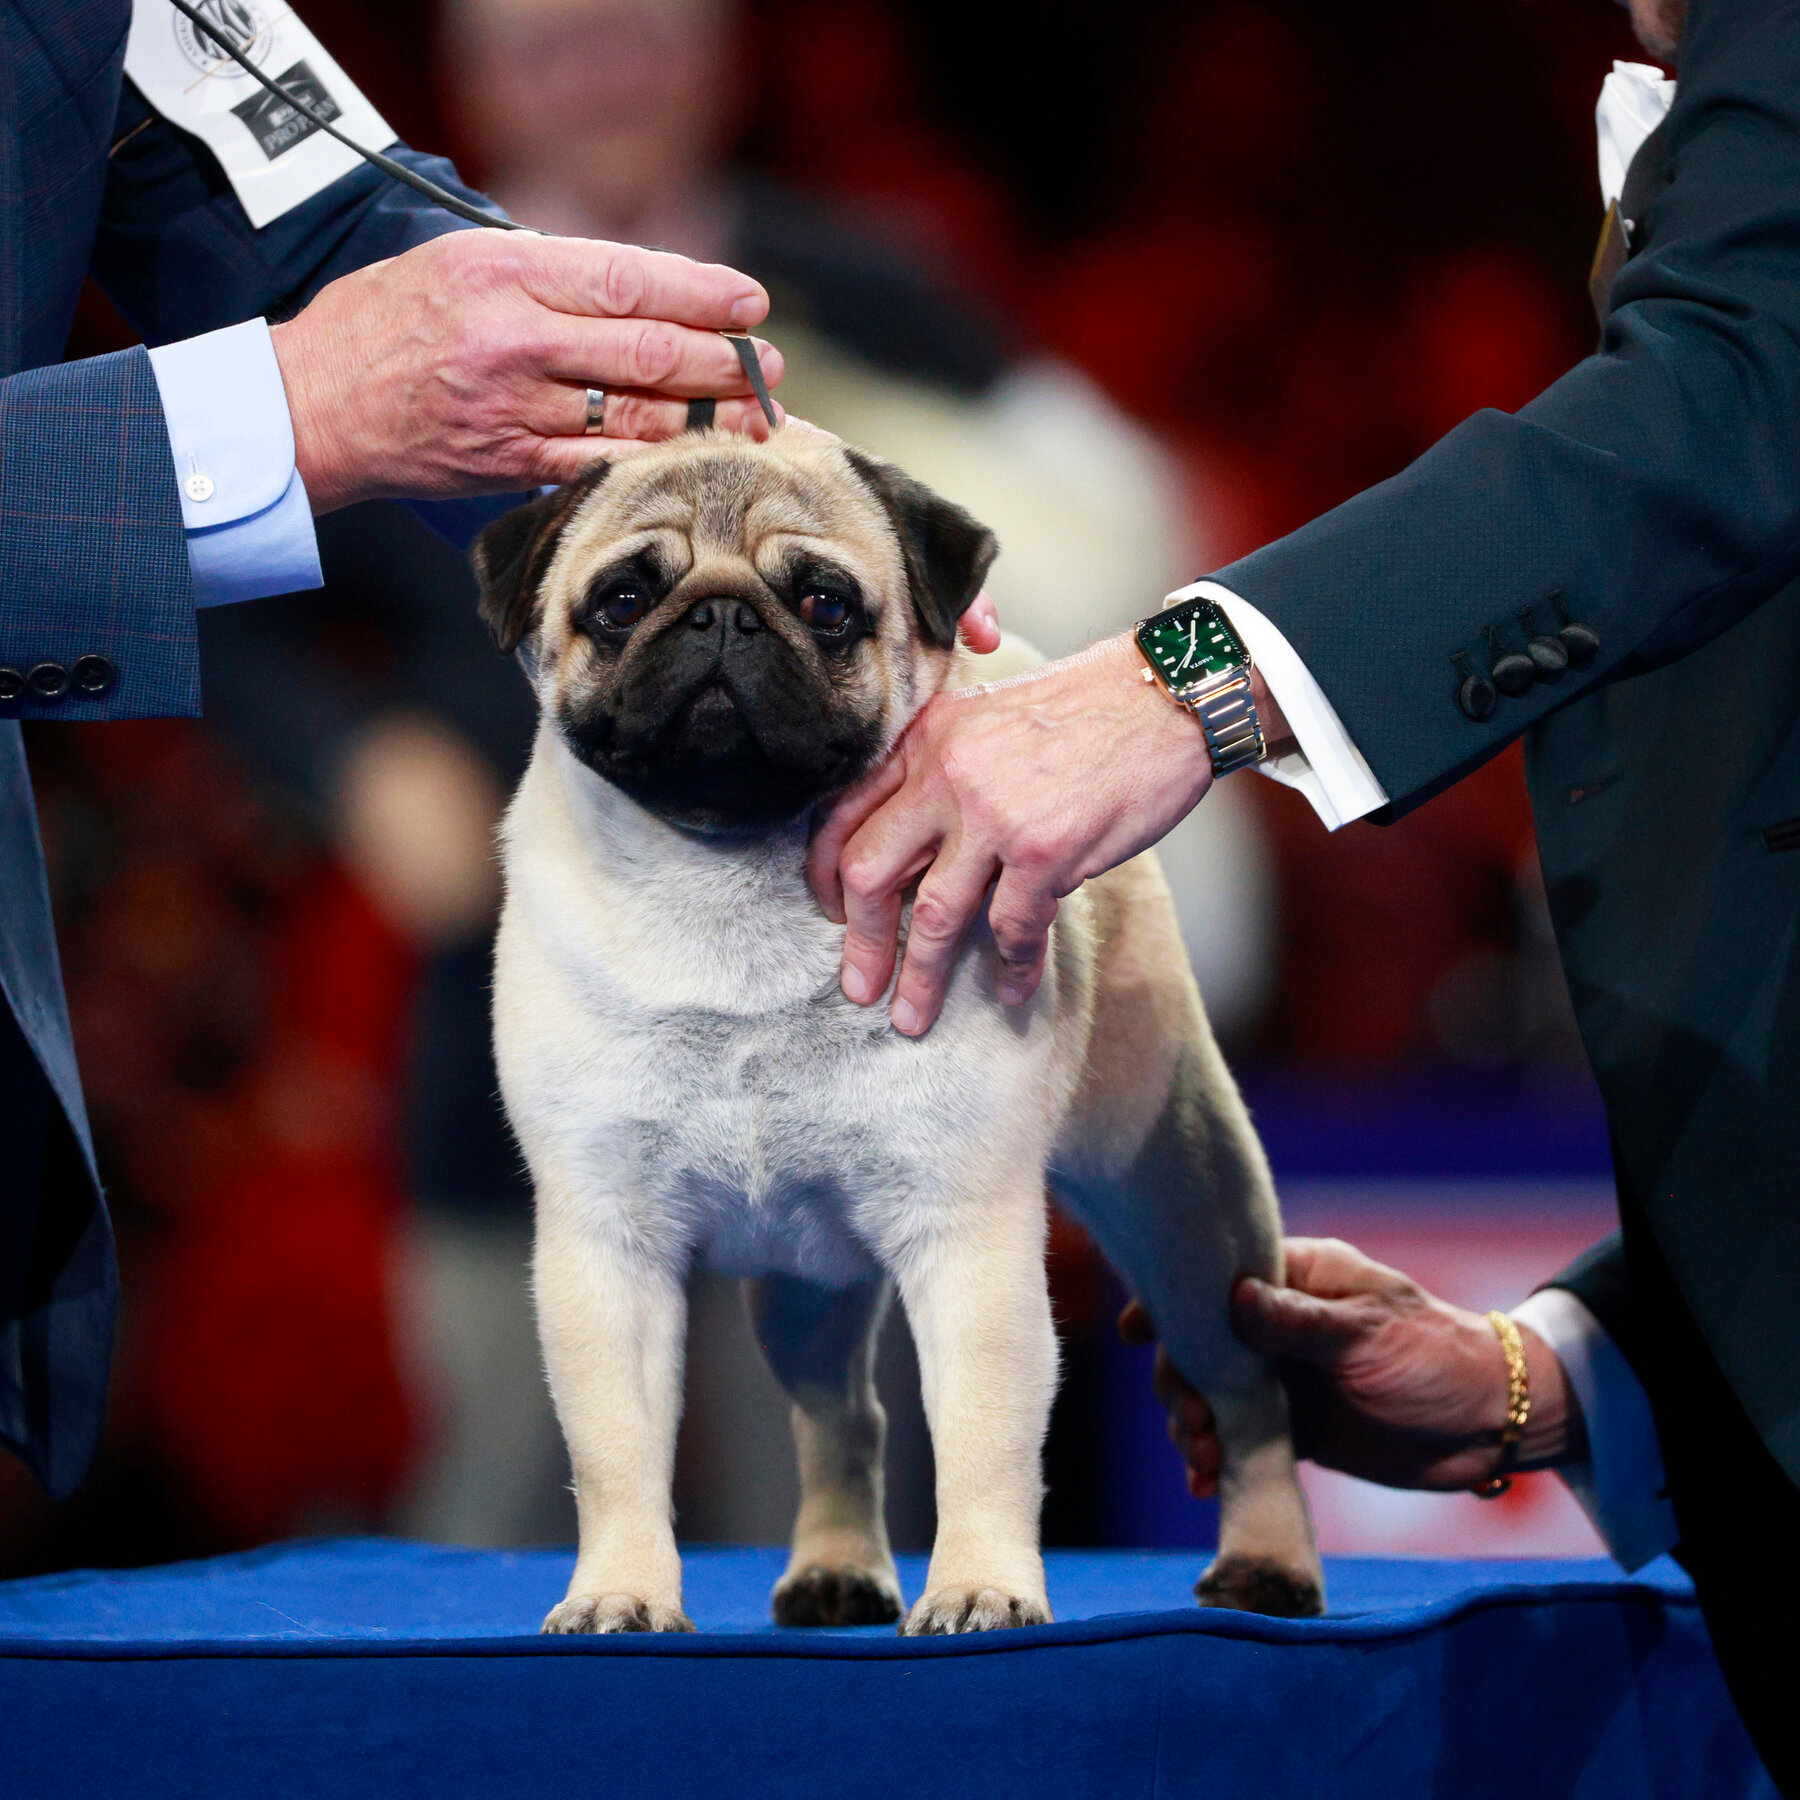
(1298, 241)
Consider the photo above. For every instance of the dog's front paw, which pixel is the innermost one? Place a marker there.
(846, 1594)
(972, 1609)
(1259, 1584)
(601, 1613)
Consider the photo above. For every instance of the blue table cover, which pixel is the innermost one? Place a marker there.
(369, 1667)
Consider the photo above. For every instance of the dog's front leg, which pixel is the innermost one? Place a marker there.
(612, 1320)
(976, 1298)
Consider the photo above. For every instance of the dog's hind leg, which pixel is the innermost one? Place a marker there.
(820, 1342)
(1195, 1210)
(1266, 1561)
(612, 1321)
(1192, 1214)
(1162, 1164)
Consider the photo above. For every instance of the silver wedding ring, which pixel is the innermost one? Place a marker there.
(596, 413)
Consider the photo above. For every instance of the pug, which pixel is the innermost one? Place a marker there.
(721, 634)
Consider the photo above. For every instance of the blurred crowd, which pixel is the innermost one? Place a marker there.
(1142, 285)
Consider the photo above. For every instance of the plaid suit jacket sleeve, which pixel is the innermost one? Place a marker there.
(93, 557)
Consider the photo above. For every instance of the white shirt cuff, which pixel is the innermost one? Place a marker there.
(1621, 1487)
(249, 524)
(1327, 767)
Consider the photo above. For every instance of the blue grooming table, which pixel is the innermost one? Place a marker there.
(371, 1668)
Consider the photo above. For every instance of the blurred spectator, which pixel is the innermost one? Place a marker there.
(245, 1109)
(846, 114)
(381, 709)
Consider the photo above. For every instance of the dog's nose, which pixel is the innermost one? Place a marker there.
(710, 613)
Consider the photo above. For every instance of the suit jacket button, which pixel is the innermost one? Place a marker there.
(1477, 698)
(1549, 657)
(1582, 643)
(1514, 675)
(48, 682)
(12, 683)
(93, 677)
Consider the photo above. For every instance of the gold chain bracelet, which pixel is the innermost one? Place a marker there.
(1518, 1402)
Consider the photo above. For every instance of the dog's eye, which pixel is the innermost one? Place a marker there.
(623, 604)
(824, 611)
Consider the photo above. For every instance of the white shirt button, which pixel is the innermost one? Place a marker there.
(198, 487)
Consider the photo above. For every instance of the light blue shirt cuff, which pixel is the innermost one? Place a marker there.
(1621, 1486)
(249, 523)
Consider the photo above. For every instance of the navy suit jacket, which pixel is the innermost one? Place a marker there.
(1653, 494)
(93, 561)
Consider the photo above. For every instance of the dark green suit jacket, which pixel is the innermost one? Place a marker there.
(1654, 495)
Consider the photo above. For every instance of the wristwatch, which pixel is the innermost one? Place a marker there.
(1203, 665)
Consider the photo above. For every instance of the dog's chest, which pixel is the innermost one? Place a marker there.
(672, 1040)
(798, 1138)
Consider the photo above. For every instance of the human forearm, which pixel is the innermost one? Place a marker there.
(1555, 1433)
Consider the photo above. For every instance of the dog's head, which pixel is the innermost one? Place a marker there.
(729, 630)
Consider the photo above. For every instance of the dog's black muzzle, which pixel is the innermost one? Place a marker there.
(719, 724)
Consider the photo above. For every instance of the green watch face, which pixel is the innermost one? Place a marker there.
(1191, 642)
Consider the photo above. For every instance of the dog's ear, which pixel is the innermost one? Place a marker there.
(512, 554)
(948, 553)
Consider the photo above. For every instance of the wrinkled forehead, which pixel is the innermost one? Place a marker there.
(709, 501)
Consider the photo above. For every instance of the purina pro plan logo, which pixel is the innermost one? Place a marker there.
(274, 156)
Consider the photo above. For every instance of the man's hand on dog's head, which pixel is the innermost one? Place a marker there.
(462, 367)
(1385, 1381)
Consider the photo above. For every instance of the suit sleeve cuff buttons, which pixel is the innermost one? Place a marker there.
(1546, 657)
(50, 683)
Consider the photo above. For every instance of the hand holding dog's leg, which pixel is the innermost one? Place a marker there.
(613, 1324)
(980, 1312)
(1386, 1381)
(821, 1345)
